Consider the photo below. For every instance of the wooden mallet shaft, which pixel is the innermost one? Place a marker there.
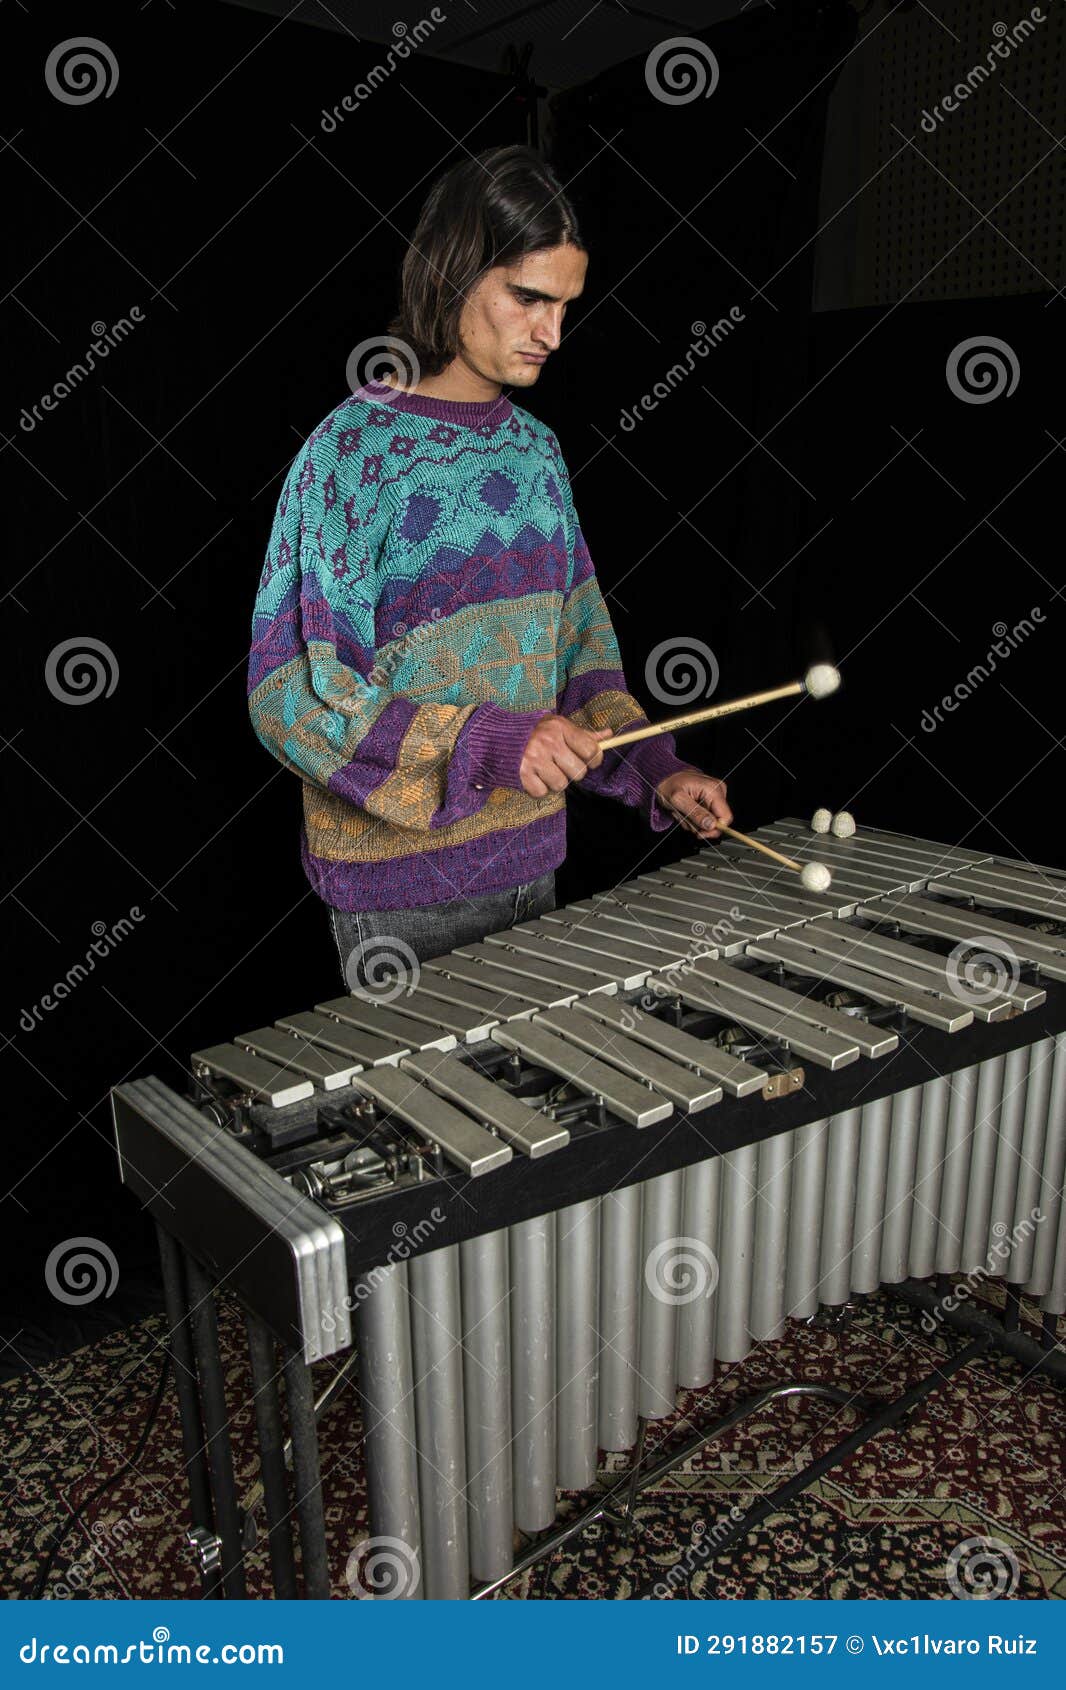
(710, 714)
(819, 681)
(757, 845)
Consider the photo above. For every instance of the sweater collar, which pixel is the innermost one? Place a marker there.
(474, 413)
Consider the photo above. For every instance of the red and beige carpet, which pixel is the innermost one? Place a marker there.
(983, 1458)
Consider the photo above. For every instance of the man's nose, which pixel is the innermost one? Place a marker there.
(550, 332)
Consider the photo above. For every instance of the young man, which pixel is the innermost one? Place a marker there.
(431, 651)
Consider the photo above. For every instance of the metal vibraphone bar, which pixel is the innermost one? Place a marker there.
(589, 1162)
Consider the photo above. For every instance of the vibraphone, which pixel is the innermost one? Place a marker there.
(576, 1167)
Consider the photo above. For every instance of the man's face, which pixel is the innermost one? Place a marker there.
(514, 317)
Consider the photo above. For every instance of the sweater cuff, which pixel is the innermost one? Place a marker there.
(653, 760)
(495, 741)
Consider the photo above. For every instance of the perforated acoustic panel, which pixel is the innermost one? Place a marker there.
(942, 117)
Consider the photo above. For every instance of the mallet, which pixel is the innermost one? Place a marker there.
(819, 682)
(814, 877)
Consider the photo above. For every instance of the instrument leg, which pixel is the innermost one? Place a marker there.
(263, 1356)
(204, 1322)
(307, 1478)
(180, 1345)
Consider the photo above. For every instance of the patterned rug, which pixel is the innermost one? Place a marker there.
(967, 1499)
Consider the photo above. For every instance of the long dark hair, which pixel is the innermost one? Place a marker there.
(492, 209)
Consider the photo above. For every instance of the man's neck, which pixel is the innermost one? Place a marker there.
(456, 382)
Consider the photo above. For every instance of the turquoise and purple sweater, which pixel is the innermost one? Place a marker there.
(427, 597)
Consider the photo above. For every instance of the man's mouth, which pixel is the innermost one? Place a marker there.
(534, 357)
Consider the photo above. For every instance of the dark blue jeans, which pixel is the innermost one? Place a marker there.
(379, 950)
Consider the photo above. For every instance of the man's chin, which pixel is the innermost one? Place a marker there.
(525, 374)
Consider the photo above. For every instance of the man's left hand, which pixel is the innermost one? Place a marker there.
(697, 801)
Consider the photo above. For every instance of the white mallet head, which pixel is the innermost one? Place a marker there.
(820, 821)
(843, 825)
(815, 877)
(821, 679)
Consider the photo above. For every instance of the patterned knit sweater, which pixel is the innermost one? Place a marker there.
(427, 596)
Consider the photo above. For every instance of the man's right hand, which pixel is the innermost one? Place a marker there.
(557, 752)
